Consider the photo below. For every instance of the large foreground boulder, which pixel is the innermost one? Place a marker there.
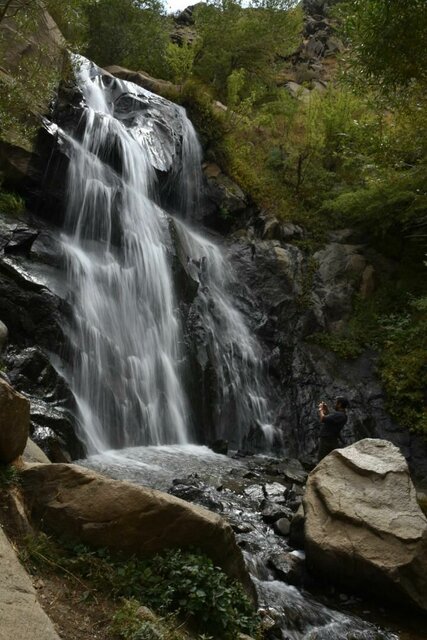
(14, 423)
(363, 526)
(88, 507)
(21, 615)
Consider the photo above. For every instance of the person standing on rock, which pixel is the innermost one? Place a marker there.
(332, 423)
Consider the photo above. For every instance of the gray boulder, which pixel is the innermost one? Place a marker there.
(340, 270)
(364, 527)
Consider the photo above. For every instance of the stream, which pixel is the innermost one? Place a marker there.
(250, 492)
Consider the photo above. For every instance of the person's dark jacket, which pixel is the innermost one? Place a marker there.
(332, 424)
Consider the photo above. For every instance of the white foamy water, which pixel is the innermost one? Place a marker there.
(130, 370)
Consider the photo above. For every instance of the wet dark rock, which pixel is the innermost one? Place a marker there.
(251, 475)
(198, 494)
(53, 429)
(240, 527)
(21, 241)
(32, 313)
(275, 492)
(271, 512)
(31, 371)
(292, 469)
(220, 446)
(256, 494)
(282, 526)
(294, 505)
(53, 424)
(289, 567)
(52, 445)
(296, 531)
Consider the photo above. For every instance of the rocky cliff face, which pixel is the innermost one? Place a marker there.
(284, 293)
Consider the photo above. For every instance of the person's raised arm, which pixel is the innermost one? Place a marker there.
(323, 411)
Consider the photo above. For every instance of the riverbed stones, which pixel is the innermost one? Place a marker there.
(14, 423)
(289, 567)
(364, 527)
(87, 507)
(21, 615)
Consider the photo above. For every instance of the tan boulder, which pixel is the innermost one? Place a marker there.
(142, 79)
(21, 616)
(363, 525)
(14, 423)
(33, 453)
(101, 512)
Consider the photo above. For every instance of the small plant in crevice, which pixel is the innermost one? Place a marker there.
(9, 476)
(10, 203)
(134, 622)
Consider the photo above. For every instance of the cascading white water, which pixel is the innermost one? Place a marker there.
(236, 354)
(129, 371)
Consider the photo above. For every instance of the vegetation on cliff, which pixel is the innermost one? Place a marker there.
(345, 146)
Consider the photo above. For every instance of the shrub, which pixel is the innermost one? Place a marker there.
(10, 202)
(9, 476)
(182, 582)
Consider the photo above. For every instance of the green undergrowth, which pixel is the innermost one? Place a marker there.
(9, 476)
(394, 325)
(11, 203)
(182, 583)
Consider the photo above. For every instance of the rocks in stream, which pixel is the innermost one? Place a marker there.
(289, 567)
(364, 526)
(92, 509)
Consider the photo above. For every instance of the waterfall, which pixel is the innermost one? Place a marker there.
(131, 365)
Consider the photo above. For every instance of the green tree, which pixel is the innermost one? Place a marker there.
(250, 39)
(388, 40)
(131, 33)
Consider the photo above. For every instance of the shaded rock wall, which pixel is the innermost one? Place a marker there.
(290, 295)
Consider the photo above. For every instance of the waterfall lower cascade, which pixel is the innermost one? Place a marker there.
(131, 367)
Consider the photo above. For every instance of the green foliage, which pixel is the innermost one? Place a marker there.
(388, 40)
(395, 326)
(403, 366)
(9, 476)
(182, 582)
(248, 39)
(129, 33)
(10, 203)
(31, 78)
(179, 59)
(393, 202)
(71, 18)
(209, 121)
(131, 622)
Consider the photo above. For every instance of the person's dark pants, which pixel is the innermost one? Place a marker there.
(326, 445)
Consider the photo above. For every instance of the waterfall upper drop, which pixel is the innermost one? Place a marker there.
(134, 374)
